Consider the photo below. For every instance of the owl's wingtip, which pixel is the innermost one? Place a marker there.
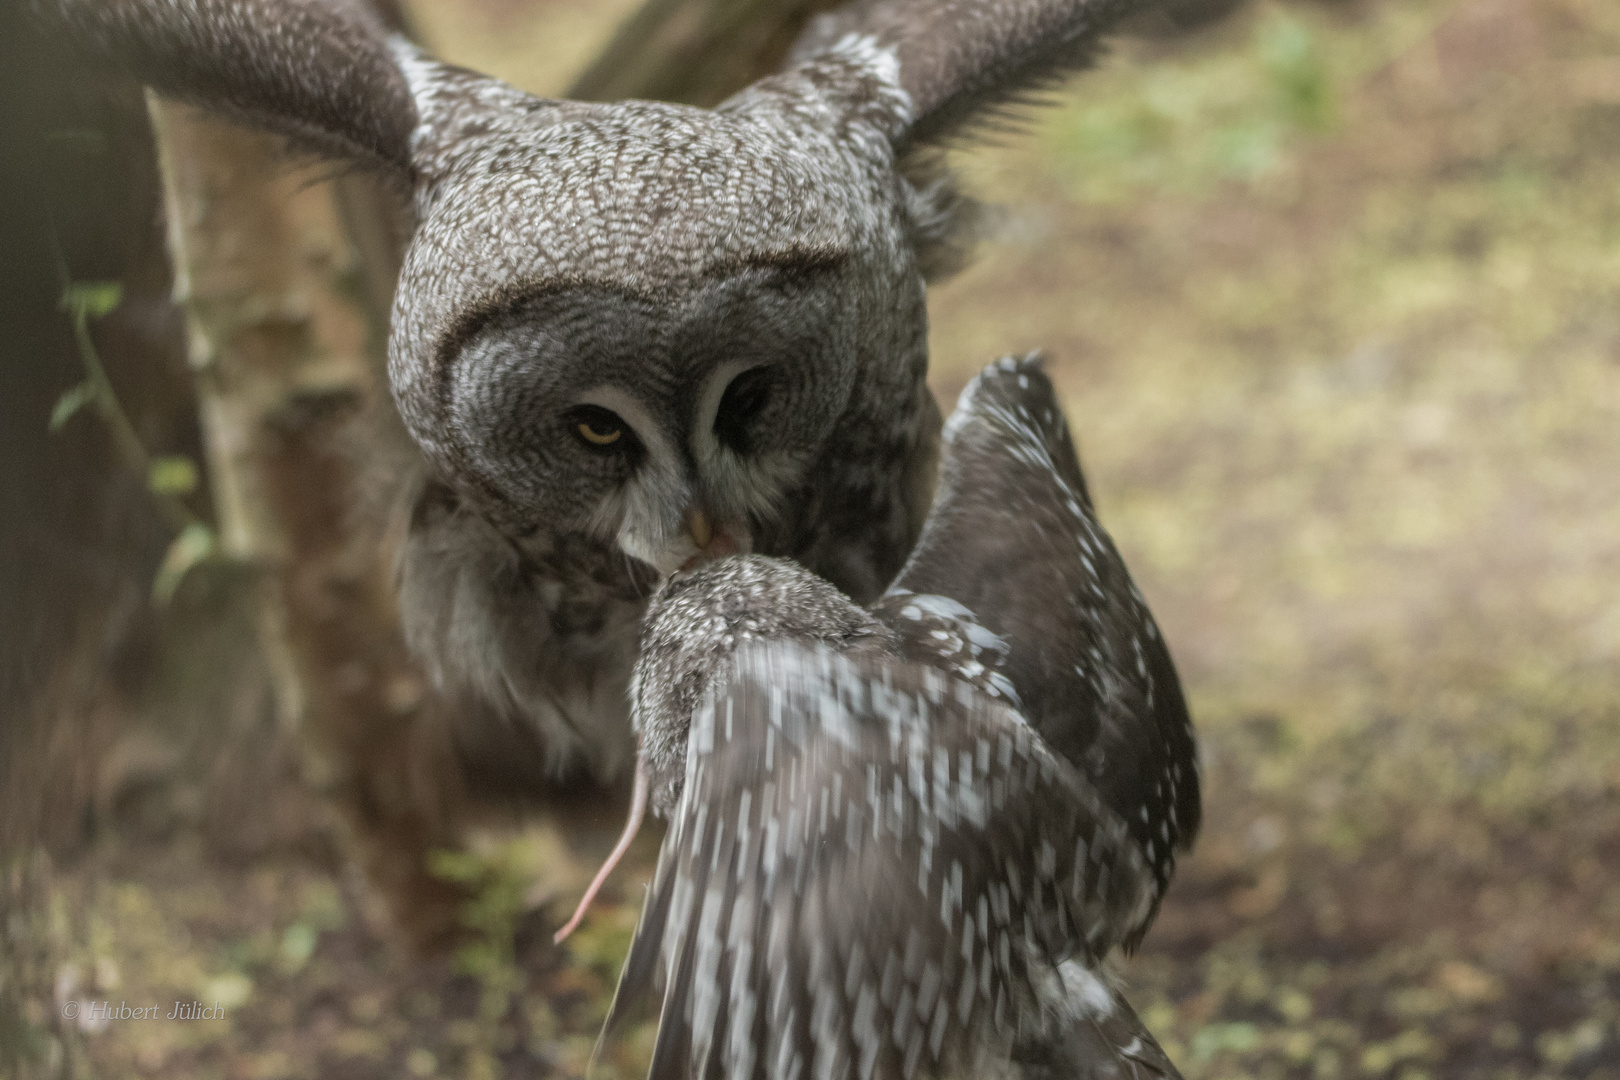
(1034, 360)
(1020, 391)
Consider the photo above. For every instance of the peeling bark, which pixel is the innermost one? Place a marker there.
(283, 348)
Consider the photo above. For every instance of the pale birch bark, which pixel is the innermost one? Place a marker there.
(283, 349)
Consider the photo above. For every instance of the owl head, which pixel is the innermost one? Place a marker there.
(643, 321)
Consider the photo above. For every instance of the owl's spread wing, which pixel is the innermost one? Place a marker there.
(318, 71)
(958, 60)
(1014, 540)
(873, 870)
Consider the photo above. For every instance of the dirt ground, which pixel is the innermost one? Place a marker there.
(1333, 294)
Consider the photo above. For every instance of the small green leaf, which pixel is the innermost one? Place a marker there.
(461, 867)
(1299, 77)
(194, 544)
(1217, 1038)
(92, 299)
(71, 402)
(174, 475)
(298, 945)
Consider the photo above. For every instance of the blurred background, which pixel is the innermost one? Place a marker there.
(1331, 289)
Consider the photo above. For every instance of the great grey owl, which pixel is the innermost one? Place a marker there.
(630, 336)
(903, 837)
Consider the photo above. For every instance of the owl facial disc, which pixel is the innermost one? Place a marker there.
(673, 423)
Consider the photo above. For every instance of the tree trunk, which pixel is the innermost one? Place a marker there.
(290, 392)
(695, 51)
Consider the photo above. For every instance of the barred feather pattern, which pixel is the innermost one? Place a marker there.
(877, 884)
(320, 74)
(1014, 538)
(879, 863)
(962, 63)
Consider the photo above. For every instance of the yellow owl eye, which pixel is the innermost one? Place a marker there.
(600, 429)
(597, 437)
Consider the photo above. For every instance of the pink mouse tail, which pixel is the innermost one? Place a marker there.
(638, 810)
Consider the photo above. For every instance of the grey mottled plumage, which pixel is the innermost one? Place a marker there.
(629, 335)
(903, 838)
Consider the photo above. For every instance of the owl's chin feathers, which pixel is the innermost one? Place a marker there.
(691, 546)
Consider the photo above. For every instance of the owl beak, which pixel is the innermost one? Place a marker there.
(697, 537)
(697, 523)
(711, 543)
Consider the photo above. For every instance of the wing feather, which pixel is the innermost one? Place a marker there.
(966, 61)
(869, 864)
(1014, 540)
(320, 72)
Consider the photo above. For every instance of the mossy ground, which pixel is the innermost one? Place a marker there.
(1333, 295)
